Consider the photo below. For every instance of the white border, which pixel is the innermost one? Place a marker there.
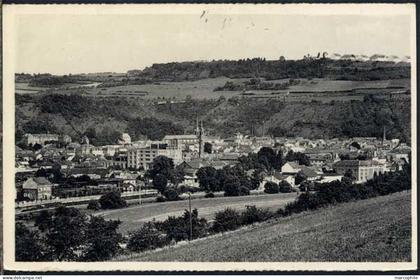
(9, 15)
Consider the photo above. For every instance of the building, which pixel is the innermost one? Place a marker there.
(32, 139)
(143, 157)
(277, 178)
(291, 168)
(181, 141)
(124, 139)
(120, 159)
(37, 188)
(362, 170)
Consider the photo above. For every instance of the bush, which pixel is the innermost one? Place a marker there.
(233, 187)
(171, 195)
(225, 220)
(252, 214)
(160, 198)
(285, 187)
(178, 228)
(243, 190)
(340, 192)
(94, 205)
(209, 195)
(112, 200)
(148, 237)
(271, 187)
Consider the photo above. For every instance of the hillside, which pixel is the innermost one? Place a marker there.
(374, 230)
(103, 119)
(343, 69)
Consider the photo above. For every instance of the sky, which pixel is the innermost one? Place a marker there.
(86, 43)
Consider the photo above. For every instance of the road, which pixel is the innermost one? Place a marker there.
(133, 217)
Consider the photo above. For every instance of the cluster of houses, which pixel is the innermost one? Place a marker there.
(91, 169)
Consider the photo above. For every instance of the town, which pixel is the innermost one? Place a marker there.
(53, 168)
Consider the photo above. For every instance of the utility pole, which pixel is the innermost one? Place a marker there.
(189, 206)
(139, 194)
(200, 138)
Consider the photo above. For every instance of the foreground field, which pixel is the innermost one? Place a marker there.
(133, 217)
(377, 229)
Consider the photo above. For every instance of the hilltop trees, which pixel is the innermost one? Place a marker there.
(152, 128)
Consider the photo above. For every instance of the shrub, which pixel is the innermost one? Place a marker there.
(228, 219)
(178, 228)
(252, 214)
(285, 187)
(243, 190)
(339, 192)
(94, 205)
(209, 195)
(112, 200)
(271, 187)
(146, 238)
(171, 194)
(160, 198)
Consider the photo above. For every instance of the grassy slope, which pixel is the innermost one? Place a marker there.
(133, 217)
(377, 229)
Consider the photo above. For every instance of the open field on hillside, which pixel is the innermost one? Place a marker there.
(133, 217)
(377, 230)
(201, 89)
(204, 89)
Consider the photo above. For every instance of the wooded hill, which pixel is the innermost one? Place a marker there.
(102, 120)
(244, 68)
(275, 69)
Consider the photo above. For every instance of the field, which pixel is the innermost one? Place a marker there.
(377, 230)
(133, 217)
(203, 89)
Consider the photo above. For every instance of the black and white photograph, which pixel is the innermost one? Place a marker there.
(209, 137)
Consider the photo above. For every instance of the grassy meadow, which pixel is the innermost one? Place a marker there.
(373, 230)
(133, 217)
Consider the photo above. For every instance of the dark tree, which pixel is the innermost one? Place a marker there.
(160, 183)
(302, 159)
(66, 235)
(356, 145)
(178, 228)
(228, 219)
(43, 220)
(285, 187)
(112, 200)
(102, 239)
(271, 187)
(269, 159)
(162, 165)
(94, 205)
(171, 194)
(208, 179)
(41, 173)
(300, 177)
(232, 187)
(208, 147)
(28, 245)
(256, 179)
(146, 238)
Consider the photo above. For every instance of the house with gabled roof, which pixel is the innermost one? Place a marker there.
(37, 188)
